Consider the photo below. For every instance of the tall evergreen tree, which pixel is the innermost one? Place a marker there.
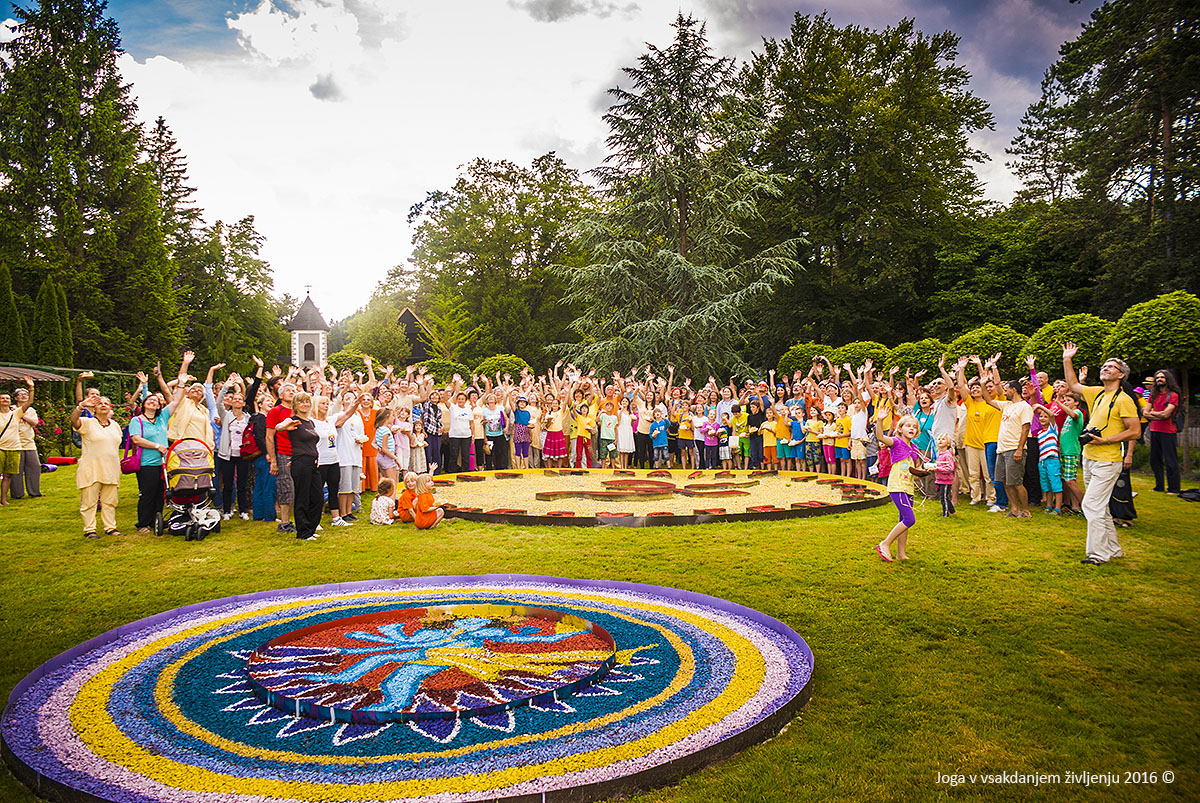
(1118, 111)
(178, 213)
(47, 326)
(667, 277)
(77, 203)
(12, 332)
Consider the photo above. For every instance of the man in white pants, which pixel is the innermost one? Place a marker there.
(1114, 413)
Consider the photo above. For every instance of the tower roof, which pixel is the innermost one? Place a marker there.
(308, 318)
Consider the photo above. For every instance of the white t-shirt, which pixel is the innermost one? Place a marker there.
(327, 451)
(460, 421)
(348, 448)
(237, 429)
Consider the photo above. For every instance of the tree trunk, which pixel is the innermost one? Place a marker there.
(1168, 180)
(1186, 440)
(682, 202)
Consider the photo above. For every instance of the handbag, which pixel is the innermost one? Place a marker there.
(131, 461)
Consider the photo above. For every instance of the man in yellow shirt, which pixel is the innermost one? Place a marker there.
(1114, 415)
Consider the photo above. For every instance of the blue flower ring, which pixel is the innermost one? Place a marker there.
(451, 689)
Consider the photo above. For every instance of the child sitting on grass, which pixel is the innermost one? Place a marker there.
(945, 473)
(427, 511)
(383, 509)
(404, 505)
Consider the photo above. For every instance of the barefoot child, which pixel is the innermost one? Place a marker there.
(404, 506)
(904, 465)
(383, 509)
(427, 511)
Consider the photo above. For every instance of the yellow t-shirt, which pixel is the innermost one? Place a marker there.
(10, 430)
(812, 431)
(1107, 420)
(684, 419)
(783, 428)
(768, 433)
(843, 429)
(554, 421)
(740, 424)
(983, 422)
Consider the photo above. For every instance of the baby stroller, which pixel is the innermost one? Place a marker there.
(188, 477)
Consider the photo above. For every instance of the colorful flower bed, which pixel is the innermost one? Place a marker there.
(171, 708)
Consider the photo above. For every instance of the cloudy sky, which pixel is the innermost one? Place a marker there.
(328, 119)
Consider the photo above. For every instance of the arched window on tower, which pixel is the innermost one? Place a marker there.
(310, 352)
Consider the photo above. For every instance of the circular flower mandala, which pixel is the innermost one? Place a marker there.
(450, 689)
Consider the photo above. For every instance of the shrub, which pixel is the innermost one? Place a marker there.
(347, 359)
(919, 355)
(504, 363)
(1163, 332)
(444, 370)
(857, 352)
(986, 341)
(800, 357)
(1086, 331)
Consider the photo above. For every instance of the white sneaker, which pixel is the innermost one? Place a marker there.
(319, 528)
(226, 516)
(995, 509)
(245, 517)
(975, 501)
(340, 522)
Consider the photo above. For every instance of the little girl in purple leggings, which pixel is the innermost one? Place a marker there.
(906, 462)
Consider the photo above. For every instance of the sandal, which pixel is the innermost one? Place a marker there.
(884, 556)
(90, 535)
(113, 532)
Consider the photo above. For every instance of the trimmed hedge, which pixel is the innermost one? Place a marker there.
(918, 355)
(1086, 331)
(986, 341)
(856, 354)
(444, 370)
(800, 357)
(1163, 332)
(504, 363)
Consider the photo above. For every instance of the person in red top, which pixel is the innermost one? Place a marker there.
(279, 456)
(408, 499)
(1164, 401)
(427, 511)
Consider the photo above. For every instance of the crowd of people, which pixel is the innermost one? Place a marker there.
(291, 444)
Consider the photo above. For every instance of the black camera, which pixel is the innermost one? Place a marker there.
(1088, 435)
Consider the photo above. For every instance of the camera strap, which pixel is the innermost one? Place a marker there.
(1108, 413)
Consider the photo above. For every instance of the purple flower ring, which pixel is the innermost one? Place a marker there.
(443, 688)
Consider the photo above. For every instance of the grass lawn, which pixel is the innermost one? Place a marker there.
(991, 650)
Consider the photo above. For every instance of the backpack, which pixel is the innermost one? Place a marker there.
(250, 448)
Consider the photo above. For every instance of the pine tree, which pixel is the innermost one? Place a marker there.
(47, 326)
(12, 335)
(67, 350)
(177, 211)
(78, 203)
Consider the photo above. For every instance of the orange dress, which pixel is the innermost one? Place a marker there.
(368, 451)
(424, 513)
(404, 506)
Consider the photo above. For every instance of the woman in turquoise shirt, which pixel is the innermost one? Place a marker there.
(149, 432)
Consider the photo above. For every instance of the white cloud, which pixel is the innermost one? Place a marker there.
(334, 116)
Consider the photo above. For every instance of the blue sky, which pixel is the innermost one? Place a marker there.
(328, 119)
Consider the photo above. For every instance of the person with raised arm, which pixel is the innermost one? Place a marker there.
(1113, 422)
(10, 440)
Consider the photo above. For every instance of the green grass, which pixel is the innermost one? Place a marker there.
(991, 650)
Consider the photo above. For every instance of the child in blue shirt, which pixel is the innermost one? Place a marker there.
(658, 439)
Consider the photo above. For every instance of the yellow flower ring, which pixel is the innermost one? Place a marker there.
(450, 689)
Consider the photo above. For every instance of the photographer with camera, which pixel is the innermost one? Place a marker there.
(1113, 421)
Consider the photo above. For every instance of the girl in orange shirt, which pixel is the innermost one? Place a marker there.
(427, 511)
(404, 506)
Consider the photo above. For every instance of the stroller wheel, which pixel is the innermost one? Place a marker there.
(158, 523)
(191, 532)
(216, 529)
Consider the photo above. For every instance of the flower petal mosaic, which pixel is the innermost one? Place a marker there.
(447, 689)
